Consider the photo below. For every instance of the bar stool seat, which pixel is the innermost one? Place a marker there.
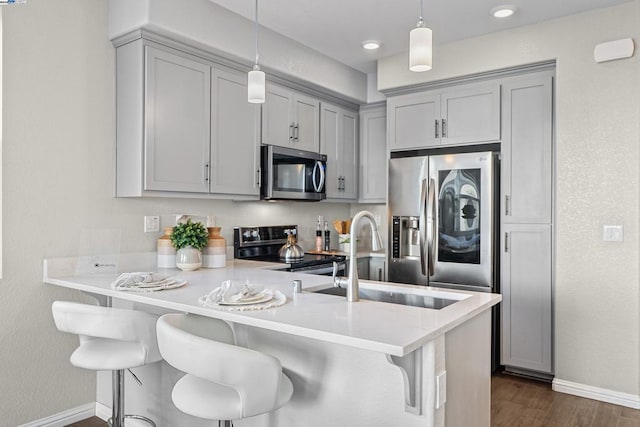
(111, 339)
(223, 381)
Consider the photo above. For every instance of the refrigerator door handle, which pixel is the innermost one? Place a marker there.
(423, 226)
(431, 227)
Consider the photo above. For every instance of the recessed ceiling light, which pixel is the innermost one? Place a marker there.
(503, 11)
(371, 44)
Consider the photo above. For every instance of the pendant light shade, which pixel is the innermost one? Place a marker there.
(256, 78)
(420, 51)
(420, 46)
(256, 85)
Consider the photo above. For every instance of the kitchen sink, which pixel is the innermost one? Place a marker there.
(417, 299)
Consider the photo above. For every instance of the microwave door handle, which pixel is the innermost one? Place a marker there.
(318, 166)
(423, 226)
(431, 227)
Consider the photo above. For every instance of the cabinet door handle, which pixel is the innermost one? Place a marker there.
(506, 242)
(379, 275)
(206, 172)
(507, 209)
(444, 128)
(344, 182)
(437, 133)
(259, 180)
(296, 130)
(291, 131)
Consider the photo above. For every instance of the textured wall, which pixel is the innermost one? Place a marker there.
(597, 170)
(58, 149)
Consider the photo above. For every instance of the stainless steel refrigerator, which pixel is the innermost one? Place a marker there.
(442, 220)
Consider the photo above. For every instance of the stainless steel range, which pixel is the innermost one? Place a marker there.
(263, 243)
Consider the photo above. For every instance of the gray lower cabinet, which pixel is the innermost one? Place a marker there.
(378, 269)
(339, 141)
(526, 297)
(527, 223)
(184, 126)
(373, 155)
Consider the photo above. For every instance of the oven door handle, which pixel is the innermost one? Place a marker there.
(318, 186)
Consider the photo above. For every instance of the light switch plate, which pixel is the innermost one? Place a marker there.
(151, 224)
(612, 233)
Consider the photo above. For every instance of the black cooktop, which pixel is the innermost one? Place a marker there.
(308, 260)
(262, 243)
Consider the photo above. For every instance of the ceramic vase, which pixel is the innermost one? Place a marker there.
(188, 258)
(215, 253)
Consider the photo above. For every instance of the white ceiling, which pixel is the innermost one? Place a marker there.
(337, 27)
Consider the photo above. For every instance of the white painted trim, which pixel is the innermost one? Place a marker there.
(104, 412)
(597, 393)
(65, 418)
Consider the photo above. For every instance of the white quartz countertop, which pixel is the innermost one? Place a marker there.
(382, 327)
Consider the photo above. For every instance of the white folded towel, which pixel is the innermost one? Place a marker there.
(145, 282)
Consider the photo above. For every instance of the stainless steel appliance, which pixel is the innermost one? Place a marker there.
(442, 219)
(263, 243)
(290, 174)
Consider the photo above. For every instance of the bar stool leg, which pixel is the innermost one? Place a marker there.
(117, 411)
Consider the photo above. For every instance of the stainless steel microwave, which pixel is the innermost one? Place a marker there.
(290, 174)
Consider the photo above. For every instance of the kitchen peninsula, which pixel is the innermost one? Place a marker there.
(352, 364)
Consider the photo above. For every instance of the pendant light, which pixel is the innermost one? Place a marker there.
(420, 51)
(255, 79)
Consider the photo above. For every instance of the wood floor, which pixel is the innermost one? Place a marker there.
(521, 402)
(518, 402)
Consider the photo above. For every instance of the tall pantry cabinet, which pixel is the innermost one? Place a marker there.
(527, 223)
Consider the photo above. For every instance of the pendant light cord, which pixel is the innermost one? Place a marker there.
(256, 32)
(420, 21)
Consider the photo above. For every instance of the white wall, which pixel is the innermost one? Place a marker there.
(597, 171)
(205, 22)
(58, 174)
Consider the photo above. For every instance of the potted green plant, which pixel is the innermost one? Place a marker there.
(189, 238)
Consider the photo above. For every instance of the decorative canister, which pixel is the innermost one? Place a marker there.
(166, 251)
(215, 253)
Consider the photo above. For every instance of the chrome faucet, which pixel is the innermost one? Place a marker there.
(351, 282)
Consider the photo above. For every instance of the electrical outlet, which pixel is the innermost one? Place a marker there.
(151, 224)
(612, 233)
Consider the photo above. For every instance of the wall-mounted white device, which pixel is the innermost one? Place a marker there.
(610, 51)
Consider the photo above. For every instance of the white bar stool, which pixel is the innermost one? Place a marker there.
(223, 381)
(110, 339)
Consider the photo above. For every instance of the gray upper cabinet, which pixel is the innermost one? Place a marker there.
(184, 126)
(339, 141)
(177, 93)
(412, 121)
(527, 149)
(290, 119)
(470, 114)
(235, 136)
(455, 116)
(373, 155)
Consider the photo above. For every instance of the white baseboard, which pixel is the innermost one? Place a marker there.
(65, 418)
(597, 393)
(104, 412)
